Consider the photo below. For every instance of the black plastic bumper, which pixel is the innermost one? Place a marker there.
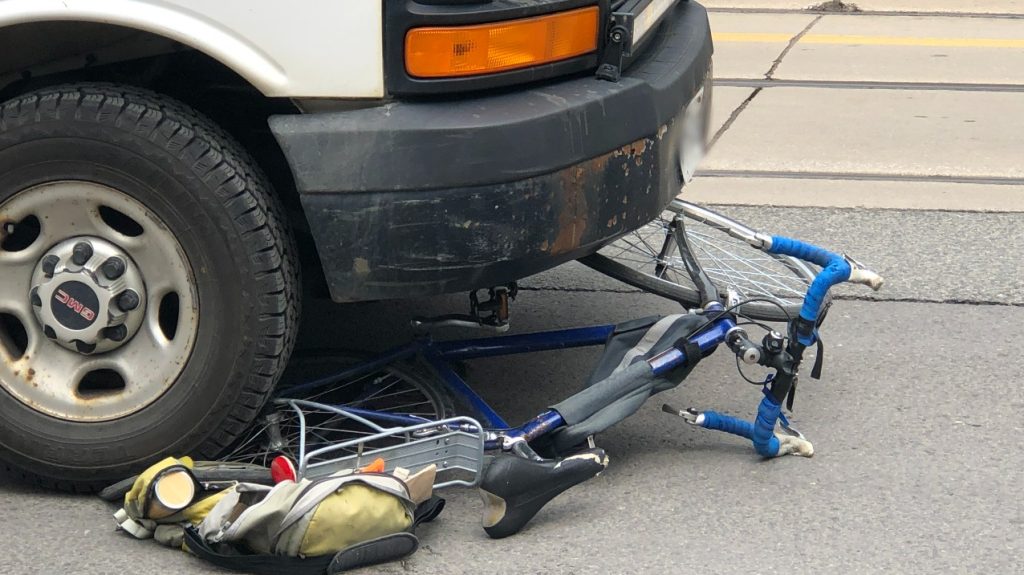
(420, 198)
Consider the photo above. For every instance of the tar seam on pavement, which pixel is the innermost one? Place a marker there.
(912, 13)
(794, 175)
(865, 85)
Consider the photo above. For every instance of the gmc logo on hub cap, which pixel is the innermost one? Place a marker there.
(75, 305)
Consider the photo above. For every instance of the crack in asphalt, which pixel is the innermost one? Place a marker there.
(789, 46)
(837, 297)
(732, 117)
(949, 301)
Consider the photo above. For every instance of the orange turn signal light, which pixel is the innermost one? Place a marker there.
(452, 51)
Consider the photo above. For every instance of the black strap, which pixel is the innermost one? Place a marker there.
(816, 370)
(259, 564)
(380, 550)
(693, 354)
(691, 350)
(815, 373)
(427, 511)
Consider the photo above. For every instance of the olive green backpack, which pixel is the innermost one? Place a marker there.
(324, 525)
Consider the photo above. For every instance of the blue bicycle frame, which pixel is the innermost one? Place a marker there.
(836, 269)
(439, 355)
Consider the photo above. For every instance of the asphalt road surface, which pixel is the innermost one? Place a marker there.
(917, 420)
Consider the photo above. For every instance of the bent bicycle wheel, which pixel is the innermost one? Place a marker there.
(391, 389)
(649, 259)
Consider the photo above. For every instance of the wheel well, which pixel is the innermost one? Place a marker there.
(49, 53)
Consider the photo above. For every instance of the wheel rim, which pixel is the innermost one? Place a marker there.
(276, 432)
(728, 261)
(97, 299)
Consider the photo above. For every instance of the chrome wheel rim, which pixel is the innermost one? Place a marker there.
(98, 302)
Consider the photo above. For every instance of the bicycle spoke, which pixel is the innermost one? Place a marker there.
(386, 391)
(347, 384)
(753, 276)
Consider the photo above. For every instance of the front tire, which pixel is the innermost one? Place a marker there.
(91, 173)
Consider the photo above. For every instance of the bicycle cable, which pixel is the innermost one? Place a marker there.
(721, 314)
(739, 366)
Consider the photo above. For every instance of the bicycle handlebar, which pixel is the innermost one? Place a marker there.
(836, 269)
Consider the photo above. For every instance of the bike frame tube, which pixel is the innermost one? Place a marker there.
(709, 338)
(489, 417)
(541, 425)
(387, 358)
(706, 288)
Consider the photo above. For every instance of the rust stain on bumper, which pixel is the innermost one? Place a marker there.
(572, 214)
(589, 181)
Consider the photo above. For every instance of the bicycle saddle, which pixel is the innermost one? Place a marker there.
(514, 489)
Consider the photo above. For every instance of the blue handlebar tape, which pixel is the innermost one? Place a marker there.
(728, 424)
(761, 432)
(835, 270)
(765, 442)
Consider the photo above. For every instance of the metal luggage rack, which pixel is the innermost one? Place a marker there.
(455, 445)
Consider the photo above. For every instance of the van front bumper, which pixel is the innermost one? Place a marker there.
(414, 198)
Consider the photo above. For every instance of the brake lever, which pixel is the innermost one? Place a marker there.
(791, 431)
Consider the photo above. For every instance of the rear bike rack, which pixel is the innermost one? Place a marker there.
(455, 445)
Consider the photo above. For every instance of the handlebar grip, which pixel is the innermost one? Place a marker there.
(866, 277)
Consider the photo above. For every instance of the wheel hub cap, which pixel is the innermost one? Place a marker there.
(99, 308)
(88, 295)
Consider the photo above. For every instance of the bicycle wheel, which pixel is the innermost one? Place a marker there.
(393, 389)
(649, 259)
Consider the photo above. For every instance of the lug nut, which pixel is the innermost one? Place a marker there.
(117, 333)
(81, 253)
(35, 298)
(113, 268)
(128, 300)
(50, 265)
(49, 332)
(83, 347)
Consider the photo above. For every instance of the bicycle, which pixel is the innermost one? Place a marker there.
(382, 407)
